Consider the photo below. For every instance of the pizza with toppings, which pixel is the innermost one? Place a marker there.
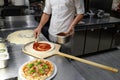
(41, 46)
(37, 70)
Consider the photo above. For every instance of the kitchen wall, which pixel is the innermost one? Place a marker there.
(101, 4)
(93, 7)
(105, 5)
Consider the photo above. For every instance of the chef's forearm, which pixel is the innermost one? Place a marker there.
(77, 19)
(44, 19)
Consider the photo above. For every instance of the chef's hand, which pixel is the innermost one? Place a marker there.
(37, 31)
(70, 31)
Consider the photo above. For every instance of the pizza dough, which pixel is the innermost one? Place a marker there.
(29, 49)
(21, 37)
(41, 46)
(38, 69)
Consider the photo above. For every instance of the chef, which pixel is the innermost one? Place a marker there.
(65, 14)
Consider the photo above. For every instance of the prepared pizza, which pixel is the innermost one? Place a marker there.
(37, 70)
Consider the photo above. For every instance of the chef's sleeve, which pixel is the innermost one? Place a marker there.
(47, 8)
(79, 6)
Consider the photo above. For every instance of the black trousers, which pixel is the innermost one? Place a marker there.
(45, 31)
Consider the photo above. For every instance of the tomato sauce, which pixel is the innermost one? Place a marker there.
(41, 46)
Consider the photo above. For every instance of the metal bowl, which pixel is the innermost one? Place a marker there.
(4, 59)
(63, 38)
(4, 55)
(2, 40)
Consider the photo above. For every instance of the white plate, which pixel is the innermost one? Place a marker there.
(54, 73)
(20, 77)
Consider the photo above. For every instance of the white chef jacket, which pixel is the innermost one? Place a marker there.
(63, 13)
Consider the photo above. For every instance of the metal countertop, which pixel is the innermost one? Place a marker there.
(18, 22)
(65, 69)
(95, 21)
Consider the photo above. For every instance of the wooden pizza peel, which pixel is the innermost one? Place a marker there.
(55, 51)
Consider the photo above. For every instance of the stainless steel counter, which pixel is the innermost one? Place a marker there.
(95, 21)
(65, 69)
(18, 22)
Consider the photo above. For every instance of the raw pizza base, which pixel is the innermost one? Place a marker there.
(21, 37)
(29, 49)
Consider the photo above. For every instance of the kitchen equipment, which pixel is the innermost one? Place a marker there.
(99, 13)
(1, 2)
(6, 2)
(2, 40)
(37, 38)
(106, 15)
(4, 59)
(18, 2)
(1, 23)
(4, 56)
(56, 52)
(20, 77)
(63, 38)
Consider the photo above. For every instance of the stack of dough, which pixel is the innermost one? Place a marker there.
(21, 37)
(2, 46)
